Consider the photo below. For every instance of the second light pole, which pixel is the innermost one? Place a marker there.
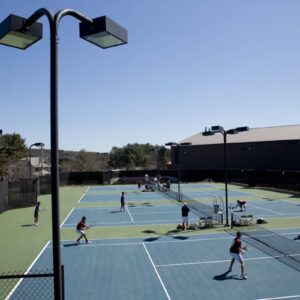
(177, 153)
(220, 129)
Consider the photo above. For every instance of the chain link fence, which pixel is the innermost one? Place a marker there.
(35, 285)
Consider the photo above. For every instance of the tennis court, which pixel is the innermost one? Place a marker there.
(173, 267)
(133, 216)
(158, 264)
(196, 191)
(106, 195)
(270, 209)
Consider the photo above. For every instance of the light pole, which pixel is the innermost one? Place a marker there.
(29, 155)
(177, 146)
(21, 33)
(220, 129)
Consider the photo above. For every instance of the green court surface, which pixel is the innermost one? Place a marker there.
(163, 266)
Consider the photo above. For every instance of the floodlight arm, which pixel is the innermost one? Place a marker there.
(70, 12)
(37, 15)
(58, 16)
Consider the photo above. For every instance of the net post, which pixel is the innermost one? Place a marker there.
(231, 219)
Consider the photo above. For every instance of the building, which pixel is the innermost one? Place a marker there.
(267, 148)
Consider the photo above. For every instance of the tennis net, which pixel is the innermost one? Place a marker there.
(199, 209)
(276, 245)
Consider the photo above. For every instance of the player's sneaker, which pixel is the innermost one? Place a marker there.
(243, 276)
(87, 242)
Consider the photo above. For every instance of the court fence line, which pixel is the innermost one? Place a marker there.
(33, 285)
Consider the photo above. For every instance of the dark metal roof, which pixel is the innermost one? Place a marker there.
(263, 134)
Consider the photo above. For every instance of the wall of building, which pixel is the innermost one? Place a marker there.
(276, 155)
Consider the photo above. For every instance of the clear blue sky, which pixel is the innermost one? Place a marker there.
(188, 64)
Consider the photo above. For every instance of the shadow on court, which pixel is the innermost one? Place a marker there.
(225, 276)
(168, 233)
(71, 244)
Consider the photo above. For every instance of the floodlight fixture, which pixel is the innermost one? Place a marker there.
(103, 32)
(171, 144)
(38, 144)
(217, 128)
(176, 144)
(232, 131)
(208, 133)
(242, 129)
(14, 33)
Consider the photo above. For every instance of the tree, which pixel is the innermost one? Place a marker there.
(136, 155)
(12, 149)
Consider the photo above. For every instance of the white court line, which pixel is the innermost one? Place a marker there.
(161, 282)
(62, 224)
(158, 242)
(283, 297)
(270, 210)
(156, 212)
(129, 214)
(212, 262)
(27, 271)
(288, 215)
(83, 195)
(132, 221)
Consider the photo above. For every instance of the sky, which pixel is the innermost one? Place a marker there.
(188, 65)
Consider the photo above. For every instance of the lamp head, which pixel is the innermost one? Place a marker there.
(217, 128)
(185, 144)
(232, 131)
(241, 129)
(171, 144)
(14, 34)
(39, 144)
(103, 32)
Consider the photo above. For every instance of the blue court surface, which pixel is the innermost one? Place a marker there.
(170, 267)
(215, 193)
(129, 197)
(105, 194)
(270, 209)
(133, 215)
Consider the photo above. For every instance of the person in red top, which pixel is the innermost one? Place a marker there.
(236, 251)
(241, 204)
(80, 229)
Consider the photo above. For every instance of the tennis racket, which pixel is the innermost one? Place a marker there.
(244, 248)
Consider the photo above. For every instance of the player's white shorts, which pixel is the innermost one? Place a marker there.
(237, 256)
(185, 219)
(80, 232)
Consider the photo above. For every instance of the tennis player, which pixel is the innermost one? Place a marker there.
(236, 251)
(36, 213)
(185, 216)
(241, 204)
(80, 229)
(122, 200)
